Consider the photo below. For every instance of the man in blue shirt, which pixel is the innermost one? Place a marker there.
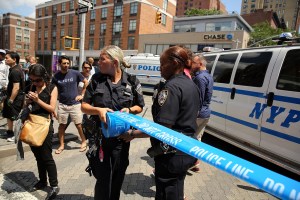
(67, 81)
(204, 81)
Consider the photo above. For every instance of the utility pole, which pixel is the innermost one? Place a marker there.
(82, 38)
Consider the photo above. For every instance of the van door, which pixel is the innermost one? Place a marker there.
(247, 95)
(280, 131)
(221, 90)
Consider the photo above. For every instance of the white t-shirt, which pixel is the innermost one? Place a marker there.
(4, 71)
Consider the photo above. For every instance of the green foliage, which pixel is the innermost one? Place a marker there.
(264, 32)
(201, 12)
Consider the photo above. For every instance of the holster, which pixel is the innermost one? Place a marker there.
(160, 149)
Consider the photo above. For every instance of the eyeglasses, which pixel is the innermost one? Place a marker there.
(36, 80)
(87, 68)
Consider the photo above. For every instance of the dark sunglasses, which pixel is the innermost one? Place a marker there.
(87, 67)
(36, 80)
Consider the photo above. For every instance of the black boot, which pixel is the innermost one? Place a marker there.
(38, 186)
(53, 193)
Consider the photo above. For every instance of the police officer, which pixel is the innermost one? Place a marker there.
(176, 104)
(110, 90)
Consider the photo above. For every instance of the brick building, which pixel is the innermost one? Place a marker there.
(183, 5)
(17, 34)
(259, 16)
(118, 22)
(287, 10)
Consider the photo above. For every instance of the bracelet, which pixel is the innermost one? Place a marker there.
(130, 111)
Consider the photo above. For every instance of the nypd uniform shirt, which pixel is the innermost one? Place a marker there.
(177, 103)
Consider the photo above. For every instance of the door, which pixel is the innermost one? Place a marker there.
(280, 131)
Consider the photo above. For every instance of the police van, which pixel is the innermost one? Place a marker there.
(256, 101)
(147, 69)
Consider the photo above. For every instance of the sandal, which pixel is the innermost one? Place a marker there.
(58, 151)
(82, 149)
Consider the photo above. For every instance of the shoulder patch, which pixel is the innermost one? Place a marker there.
(139, 89)
(162, 97)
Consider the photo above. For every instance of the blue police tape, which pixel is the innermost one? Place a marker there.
(269, 181)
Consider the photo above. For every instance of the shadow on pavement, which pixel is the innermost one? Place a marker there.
(25, 179)
(249, 188)
(142, 187)
(149, 160)
(73, 197)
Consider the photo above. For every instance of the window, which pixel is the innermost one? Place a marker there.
(118, 11)
(63, 19)
(289, 77)
(132, 25)
(46, 23)
(54, 33)
(91, 44)
(45, 45)
(53, 45)
(117, 28)
(104, 1)
(131, 41)
(218, 26)
(104, 13)
(62, 32)
(210, 62)
(54, 21)
(102, 42)
(92, 29)
(70, 31)
(40, 12)
(18, 46)
(63, 7)
(18, 38)
(46, 11)
(39, 45)
(46, 34)
(245, 1)
(71, 16)
(72, 5)
(185, 28)
(103, 29)
(54, 9)
(26, 32)
(116, 41)
(224, 66)
(19, 22)
(19, 31)
(39, 34)
(165, 5)
(26, 24)
(93, 14)
(133, 8)
(26, 46)
(252, 69)
(163, 19)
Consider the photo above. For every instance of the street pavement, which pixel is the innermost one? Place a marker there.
(17, 177)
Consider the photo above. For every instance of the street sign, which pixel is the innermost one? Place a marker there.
(83, 9)
(85, 3)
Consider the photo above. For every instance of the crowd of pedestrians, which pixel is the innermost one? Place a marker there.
(92, 93)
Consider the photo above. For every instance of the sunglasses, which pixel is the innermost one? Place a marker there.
(36, 80)
(87, 68)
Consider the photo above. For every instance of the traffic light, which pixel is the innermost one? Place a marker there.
(68, 42)
(158, 18)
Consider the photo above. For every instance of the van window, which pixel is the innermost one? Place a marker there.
(224, 68)
(252, 69)
(289, 77)
(210, 62)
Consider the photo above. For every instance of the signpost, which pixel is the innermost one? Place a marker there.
(81, 10)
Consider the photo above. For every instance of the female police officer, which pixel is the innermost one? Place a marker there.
(175, 106)
(110, 90)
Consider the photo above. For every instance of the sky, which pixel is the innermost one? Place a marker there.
(27, 7)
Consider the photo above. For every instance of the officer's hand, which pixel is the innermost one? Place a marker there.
(127, 137)
(125, 110)
(102, 113)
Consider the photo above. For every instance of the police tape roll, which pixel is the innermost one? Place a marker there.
(267, 180)
(114, 126)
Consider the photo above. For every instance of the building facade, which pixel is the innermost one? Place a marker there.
(260, 16)
(117, 22)
(183, 5)
(17, 34)
(288, 10)
(220, 31)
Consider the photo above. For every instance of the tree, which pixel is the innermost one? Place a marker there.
(264, 33)
(201, 12)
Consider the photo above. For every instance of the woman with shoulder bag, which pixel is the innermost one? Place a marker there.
(43, 97)
(111, 90)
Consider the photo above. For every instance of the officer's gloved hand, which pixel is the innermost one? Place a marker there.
(127, 136)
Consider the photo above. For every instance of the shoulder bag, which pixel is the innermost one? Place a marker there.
(35, 130)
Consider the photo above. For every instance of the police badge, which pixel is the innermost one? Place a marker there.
(162, 97)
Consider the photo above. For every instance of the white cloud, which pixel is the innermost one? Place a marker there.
(10, 5)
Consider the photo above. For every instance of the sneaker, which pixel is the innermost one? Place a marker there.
(7, 134)
(53, 193)
(195, 169)
(152, 175)
(11, 139)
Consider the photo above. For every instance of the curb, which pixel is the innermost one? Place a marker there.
(10, 149)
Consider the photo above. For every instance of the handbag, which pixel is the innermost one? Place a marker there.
(35, 130)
